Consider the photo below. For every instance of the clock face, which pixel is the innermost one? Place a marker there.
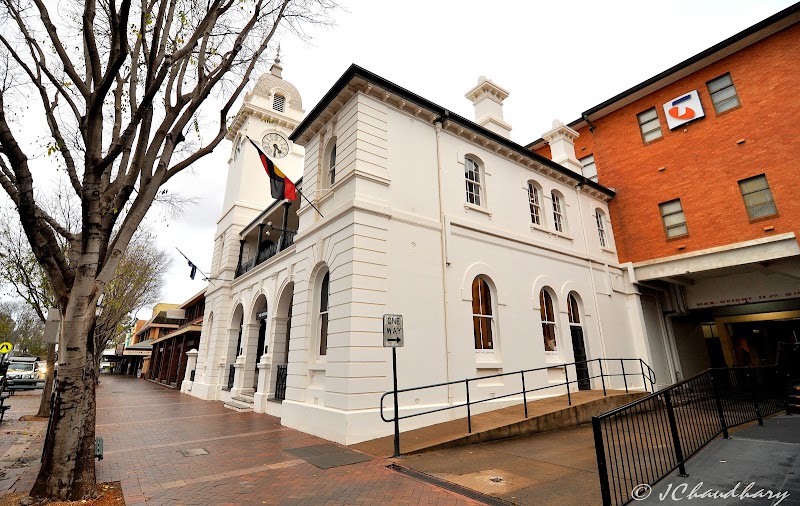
(275, 145)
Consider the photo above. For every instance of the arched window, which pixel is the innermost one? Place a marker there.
(482, 317)
(330, 164)
(472, 174)
(601, 227)
(324, 292)
(558, 212)
(535, 202)
(548, 321)
(278, 102)
(572, 310)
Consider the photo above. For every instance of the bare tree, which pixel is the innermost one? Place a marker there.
(121, 86)
(136, 284)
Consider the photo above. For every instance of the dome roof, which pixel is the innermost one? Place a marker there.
(272, 80)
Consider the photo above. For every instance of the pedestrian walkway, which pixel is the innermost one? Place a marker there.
(173, 449)
(20, 441)
(767, 456)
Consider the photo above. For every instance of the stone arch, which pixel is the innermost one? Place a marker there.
(486, 271)
(566, 289)
(539, 283)
(235, 330)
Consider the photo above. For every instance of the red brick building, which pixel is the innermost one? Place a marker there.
(706, 213)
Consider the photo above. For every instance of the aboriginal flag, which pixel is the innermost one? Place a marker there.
(280, 186)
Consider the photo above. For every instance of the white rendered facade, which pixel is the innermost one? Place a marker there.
(401, 235)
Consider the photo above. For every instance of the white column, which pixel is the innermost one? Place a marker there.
(238, 377)
(191, 364)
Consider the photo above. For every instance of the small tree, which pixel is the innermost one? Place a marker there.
(121, 87)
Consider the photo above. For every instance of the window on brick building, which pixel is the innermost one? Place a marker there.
(589, 167)
(649, 125)
(723, 93)
(757, 197)
(674, 219)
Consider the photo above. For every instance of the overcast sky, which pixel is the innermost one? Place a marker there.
(556, 59)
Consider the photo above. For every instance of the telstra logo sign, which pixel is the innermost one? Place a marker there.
(683, 109)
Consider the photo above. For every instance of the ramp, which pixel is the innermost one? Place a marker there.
(543, 415)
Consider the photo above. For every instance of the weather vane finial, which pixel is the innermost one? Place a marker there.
(278, 55)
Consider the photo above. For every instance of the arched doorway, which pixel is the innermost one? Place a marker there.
(578, 345)
(282, 339)
(260, 313)
(235, 330)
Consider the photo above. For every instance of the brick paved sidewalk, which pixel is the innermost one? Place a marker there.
(145, 427)
(20, 442)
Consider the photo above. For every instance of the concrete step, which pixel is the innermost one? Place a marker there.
(247, 397)
(243, 399)
(238, 405)
(545, 414)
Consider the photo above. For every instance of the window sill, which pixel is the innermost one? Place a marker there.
(553, 360)
(537, 228)
(488, 363)
(608, 250)
(677, 237)
(765, 218)
(472, 207)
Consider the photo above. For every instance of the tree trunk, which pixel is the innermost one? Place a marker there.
(44, 403)
(67, 471)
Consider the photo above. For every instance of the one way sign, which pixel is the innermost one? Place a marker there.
(392, 331)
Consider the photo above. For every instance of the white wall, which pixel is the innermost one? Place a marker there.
(391, 248)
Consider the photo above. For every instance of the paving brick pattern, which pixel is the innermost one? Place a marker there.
(145, 427)
(20, 442)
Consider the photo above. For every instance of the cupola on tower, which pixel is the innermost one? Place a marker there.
(269, 113)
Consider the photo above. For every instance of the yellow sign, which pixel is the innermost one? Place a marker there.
(5, 347)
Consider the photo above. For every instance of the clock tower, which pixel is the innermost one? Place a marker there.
(269, 113)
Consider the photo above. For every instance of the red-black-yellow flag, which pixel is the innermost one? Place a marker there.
(281, 187)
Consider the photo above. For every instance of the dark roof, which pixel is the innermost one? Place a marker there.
(443, 114)
(699, 57)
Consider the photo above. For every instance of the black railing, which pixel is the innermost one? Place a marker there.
(231, 376)
(280, 383)
(267, 252)
(594, 369)
(645, 440)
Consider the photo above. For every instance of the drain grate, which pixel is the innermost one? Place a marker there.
(496, 479)
(326, 456)
(194, 452)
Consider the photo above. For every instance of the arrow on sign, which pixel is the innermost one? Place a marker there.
(394, 339)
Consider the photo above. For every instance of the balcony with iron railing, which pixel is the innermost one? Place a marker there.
(270, 233)
(267, 250)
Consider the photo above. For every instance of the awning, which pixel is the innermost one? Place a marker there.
(142, 345)
(188, 328)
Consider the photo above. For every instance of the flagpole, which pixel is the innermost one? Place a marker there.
(309, 202)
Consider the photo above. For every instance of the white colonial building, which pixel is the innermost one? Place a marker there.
(498, 259)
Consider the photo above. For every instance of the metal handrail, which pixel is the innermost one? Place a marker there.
(644, 370)
(645, 440)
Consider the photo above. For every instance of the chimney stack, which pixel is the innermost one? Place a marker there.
(562, 146)
(488, 98)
